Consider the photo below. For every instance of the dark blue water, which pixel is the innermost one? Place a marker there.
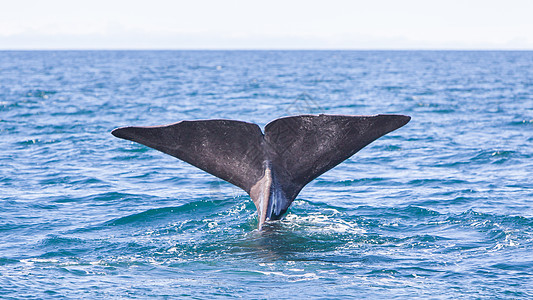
(441, 208)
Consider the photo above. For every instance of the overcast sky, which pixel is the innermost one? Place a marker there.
(267, 24)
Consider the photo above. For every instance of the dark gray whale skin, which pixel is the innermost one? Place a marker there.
(274, 166)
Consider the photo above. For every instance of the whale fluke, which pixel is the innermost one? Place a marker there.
(272, 167)
(220, 147)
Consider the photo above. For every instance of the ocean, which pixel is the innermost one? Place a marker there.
(440, 208)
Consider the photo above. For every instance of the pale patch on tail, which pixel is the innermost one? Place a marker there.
(260, 194)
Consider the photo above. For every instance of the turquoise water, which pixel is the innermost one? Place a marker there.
(441, 208)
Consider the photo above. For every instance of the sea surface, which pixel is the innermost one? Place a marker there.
(441, 208)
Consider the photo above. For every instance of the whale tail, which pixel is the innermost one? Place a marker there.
(272, 167)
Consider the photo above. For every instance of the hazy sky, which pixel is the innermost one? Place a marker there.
(267, 24)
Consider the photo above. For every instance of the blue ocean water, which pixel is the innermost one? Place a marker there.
(441, 208)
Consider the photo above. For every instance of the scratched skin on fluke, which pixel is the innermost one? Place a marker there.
(271, 166)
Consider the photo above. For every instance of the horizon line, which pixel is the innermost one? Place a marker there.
(269, 49)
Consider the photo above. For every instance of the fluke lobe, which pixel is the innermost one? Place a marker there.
(274, 166)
